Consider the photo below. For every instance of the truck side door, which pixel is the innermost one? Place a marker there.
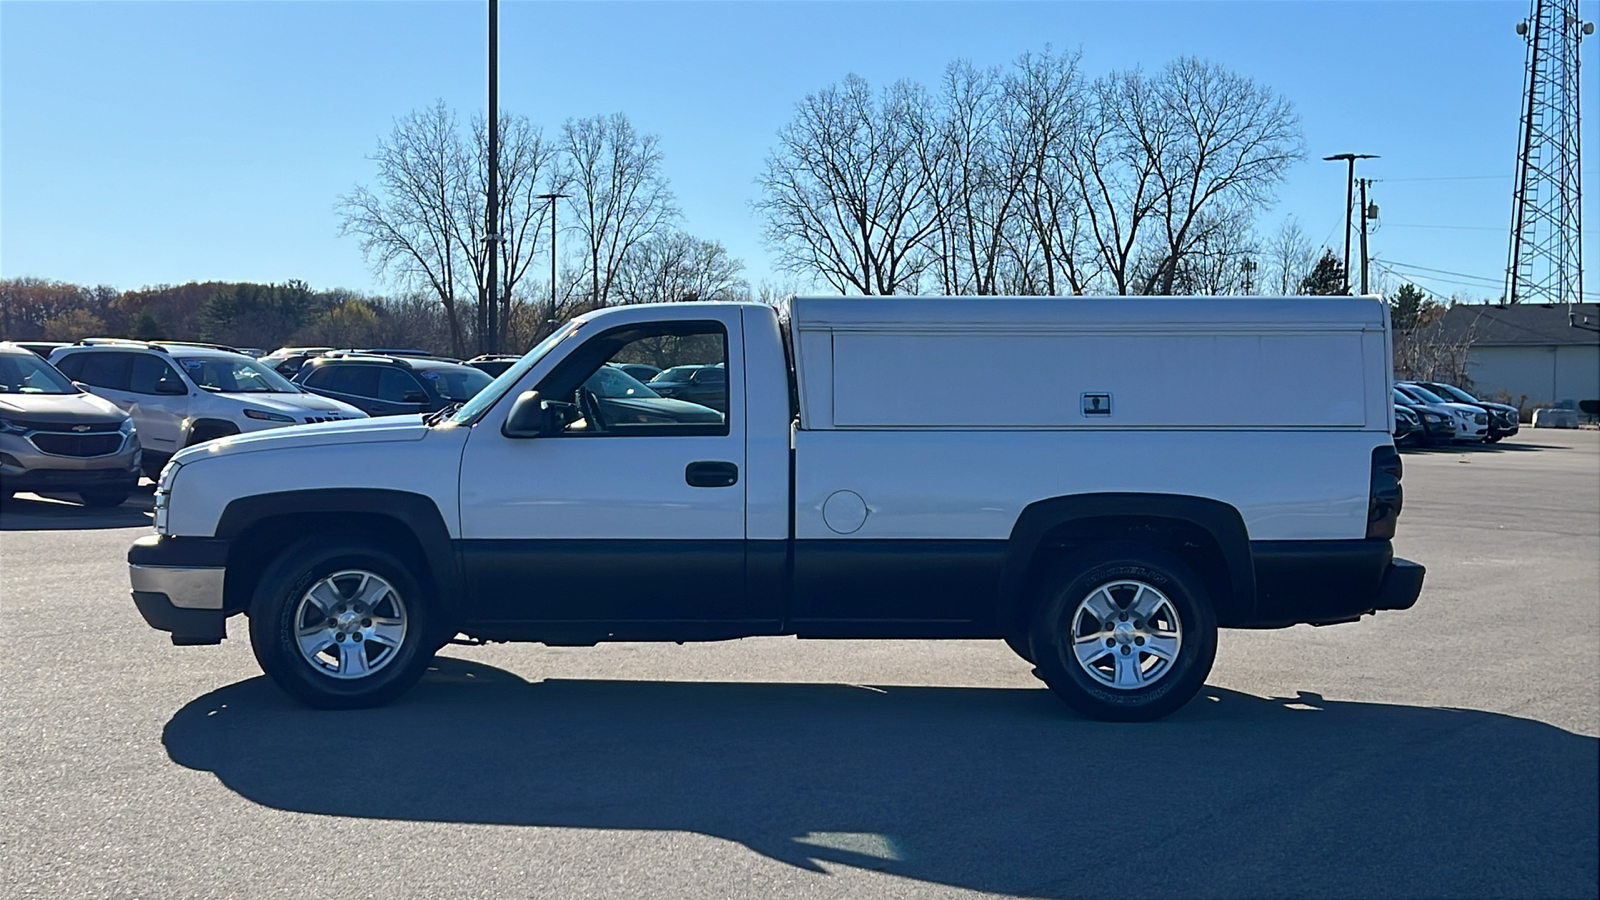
(632, 519)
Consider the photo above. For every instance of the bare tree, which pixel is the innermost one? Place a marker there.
(1112, 165)
(409, 225)
(1046, 109)
(1219, 140)
(1291, 256)
(527, 169)
(846, 194)
(620, 196)
(678, 266)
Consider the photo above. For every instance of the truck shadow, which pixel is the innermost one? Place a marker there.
(993, 789)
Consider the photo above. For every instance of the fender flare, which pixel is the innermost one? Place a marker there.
(1222, 521)
(416, 513)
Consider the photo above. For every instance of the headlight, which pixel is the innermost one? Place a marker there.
(9, 427)
(169, 474)
(265, 416)
(1432, 417)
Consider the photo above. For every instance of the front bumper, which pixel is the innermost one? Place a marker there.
(1324, 582)
(25, 467)
(178, 586)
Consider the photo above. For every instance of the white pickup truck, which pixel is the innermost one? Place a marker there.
(1100, 482)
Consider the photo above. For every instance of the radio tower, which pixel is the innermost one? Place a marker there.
(1546, 215)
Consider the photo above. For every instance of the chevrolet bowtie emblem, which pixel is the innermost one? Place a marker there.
(80, 428)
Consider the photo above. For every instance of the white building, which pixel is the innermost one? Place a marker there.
(1534, 355)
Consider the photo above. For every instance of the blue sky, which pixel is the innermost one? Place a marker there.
(163, 142)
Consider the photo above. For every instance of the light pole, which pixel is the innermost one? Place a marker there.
(492, 227)
(1349, 203)
(553, 197)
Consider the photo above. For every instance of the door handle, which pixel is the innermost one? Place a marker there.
(710, 473)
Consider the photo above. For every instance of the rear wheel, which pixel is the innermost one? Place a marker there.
(340, 625)
(1124, 633)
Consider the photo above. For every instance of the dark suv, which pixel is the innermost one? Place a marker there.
(1503, 420)
(391, 386)
(705, 385)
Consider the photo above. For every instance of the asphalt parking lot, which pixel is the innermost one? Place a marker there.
(1445, 751)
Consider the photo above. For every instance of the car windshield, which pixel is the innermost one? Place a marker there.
(613, 383)
(508, 379)
(28, 374)
(1401, 398)
(1453, 393)
(457, 384)
(234, 375)
(1425, 395)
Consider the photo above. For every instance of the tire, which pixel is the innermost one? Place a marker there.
(1122, 581)
(209, 433)
(103, 499)
(1493, 439)
(366, 660)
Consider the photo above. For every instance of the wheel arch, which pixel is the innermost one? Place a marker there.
(210, 428)
(261, 526)
(1208, 534)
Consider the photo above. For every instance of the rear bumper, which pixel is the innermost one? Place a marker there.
(1323, 582)
(178, 586)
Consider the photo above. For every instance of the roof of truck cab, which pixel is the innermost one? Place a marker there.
(923, 312)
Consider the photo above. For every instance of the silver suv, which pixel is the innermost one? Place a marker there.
(54, 437)
(183, 394)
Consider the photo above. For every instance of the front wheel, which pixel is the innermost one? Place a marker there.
(1124, 633)
(340, 625)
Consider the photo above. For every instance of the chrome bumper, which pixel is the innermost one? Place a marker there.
(186, 587)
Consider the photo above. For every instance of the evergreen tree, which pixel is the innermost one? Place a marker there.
(1326, 278)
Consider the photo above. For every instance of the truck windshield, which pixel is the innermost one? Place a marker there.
(480, 403)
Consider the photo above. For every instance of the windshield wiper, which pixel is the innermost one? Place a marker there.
(439, 415)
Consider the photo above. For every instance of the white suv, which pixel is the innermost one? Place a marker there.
(180, 395)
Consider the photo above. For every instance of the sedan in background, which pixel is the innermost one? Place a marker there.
(1471, 423)
(1407, 427)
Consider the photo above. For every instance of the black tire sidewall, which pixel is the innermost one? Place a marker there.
(104, 499)
(272, 631)
(1051, 632)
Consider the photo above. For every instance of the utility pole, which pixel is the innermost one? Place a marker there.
(1248, 267)
(1349, 203)
(552, 197)
(491, 240)
(1364, 218)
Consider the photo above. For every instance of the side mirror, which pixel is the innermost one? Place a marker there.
(532, 416)
(86, 388)
(168, 386)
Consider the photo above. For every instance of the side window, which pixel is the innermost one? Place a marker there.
(107, 370)
(147, 370)
(356, 380)
(602, 398)
(322, 377)
(71, 365)
(395, 384)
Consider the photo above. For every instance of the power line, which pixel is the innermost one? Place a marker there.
(1450, 227)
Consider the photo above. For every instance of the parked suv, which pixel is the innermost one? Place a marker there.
(705, 385)
(1503, 420)
(182, 395)
(392, 386)
(286, 361)
(54, 437)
